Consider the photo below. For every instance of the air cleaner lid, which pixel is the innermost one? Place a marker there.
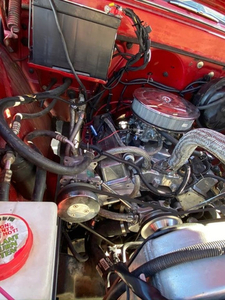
(166, 103)
(164, 109)
(16, 240)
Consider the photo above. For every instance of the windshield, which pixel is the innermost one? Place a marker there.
(199, 9)
(195, 7)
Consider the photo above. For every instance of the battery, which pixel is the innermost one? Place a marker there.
(89, 35)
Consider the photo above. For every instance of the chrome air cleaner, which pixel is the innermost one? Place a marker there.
(163, 109)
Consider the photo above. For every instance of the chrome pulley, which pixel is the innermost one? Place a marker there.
(158, 220)
(77, 205)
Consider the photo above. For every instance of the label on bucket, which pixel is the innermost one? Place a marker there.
(13, 236)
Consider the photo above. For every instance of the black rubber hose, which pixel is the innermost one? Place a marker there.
(174, 141)
(28, 139)
(40, 113)
(210, 89)
(210, 105)
(39, 186)
(37, 133)
(25, 151)
(142, 289)
(149, 186)
(133, 165)
(55, 92)
(4, 191)
(169, 137)
(40, 182)
(76, 255)
(185, 181)
(195, 252)
(45, 110)
(114, 291)
(191, 253)
(214, 176)
(154, 190)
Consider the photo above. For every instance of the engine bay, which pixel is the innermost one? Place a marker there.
(115, 113)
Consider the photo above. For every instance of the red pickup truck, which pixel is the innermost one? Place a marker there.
(112, 113)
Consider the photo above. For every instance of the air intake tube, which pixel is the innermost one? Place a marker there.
(210, 140)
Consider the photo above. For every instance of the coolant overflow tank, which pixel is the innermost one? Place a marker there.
(28, 239)
(199, 279)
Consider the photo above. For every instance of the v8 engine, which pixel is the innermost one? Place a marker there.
(112, 149)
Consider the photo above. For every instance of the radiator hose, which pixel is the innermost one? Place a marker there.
(191, 253)
(208, 139)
